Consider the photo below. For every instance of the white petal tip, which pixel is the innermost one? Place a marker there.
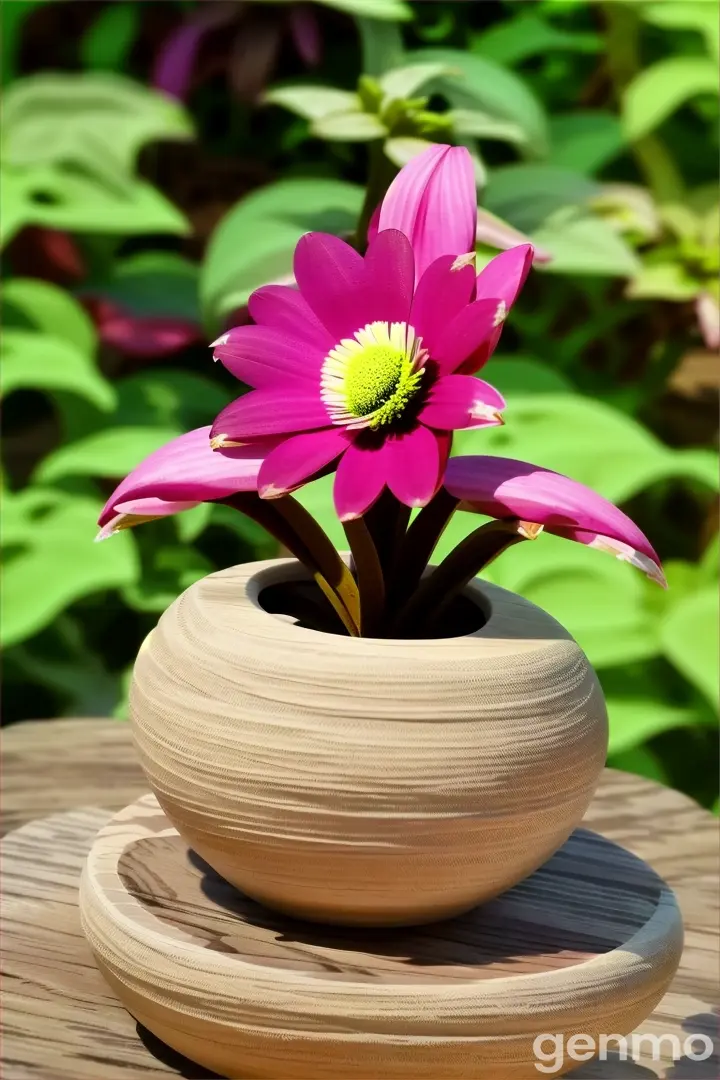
(222, 340)
(530, 530)
(500, 314)
(464, 260)
(272, 492)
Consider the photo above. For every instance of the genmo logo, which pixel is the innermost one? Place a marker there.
(552, 1051)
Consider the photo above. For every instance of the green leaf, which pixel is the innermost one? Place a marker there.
(598, 599)
(404, 148)
(482, 126)
(96, 122)
(29, 303)
(33, 361)
(404, 82)
(172, 570)
(634, 720)
(153, 283)
(107, 43)
(659, 90)
(349, 127)
(112, 453)
(490, 88)
(590, 441)
(698, 15)
(373, 9)
(642, 762)
(663, 281)
(527, 195)
(12, 19)
(313, 102)
(585, 140)
(524, 375)
(382, 45)
(60, 200)
(174, 400)
(690, 640)
(60, 564)
(528, 34)
(254, 243)
(583, 244)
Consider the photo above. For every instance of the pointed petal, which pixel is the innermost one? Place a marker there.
(461, 401)
(467, 333)
(446, 287)
(269, 359)
(412, 463)
(174, 66)
(284, 308)
(433, 200)
(181, 474)
(305, 31)
(267, 412)
(360, 478)
(505, 275)
(389, 278)
(298, 459)
(503, 488)
(331, 276)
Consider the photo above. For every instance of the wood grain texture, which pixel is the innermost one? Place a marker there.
(587, 944)
(61, 1021)
(365, 781)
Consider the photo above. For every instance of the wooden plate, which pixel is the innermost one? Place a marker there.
(586, 945)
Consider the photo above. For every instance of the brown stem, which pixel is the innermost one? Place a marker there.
(387, 523)
(476, 551)
(418, 545)
(297, 530)
(370, 579)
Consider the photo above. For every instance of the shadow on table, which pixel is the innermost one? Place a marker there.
(686, 1069)
(162, 1052)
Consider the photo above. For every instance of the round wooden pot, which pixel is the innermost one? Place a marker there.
(365, 781)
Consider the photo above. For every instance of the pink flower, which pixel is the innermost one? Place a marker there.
(177, 477)
(368, 363)
(504, 488)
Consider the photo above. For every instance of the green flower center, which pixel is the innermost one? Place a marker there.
(380, 381)
(369, 380)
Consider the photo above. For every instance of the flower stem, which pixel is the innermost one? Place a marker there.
(297, 530)
(381, 174)
(370, 579)
(418, 545)
(433, 596)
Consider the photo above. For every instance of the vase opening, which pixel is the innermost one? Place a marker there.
(303, 602)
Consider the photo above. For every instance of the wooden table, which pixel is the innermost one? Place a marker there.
(60, 1020)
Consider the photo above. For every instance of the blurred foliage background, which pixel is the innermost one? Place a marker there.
(160, 161)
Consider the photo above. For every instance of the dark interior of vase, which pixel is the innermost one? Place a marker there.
(303, 602)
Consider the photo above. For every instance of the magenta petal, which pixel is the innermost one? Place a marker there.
(297, 459)
(504, 276)
(433, 200)
(373, 224)
(467, 333)
(360, 478)
(283, 308)
(412, 464)
(389, 278)
(305, 31)
(461, 401)
(331, 276)
(267, 412)
(181, 474)
(174, 66)
(505, 488)
(268, 358)
(445, 288)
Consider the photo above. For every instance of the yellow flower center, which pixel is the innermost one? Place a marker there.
(369, 380)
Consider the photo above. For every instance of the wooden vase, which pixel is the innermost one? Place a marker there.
(365, 781)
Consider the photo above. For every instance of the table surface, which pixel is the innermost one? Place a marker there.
(60, 1020)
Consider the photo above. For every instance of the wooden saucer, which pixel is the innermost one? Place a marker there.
(588, 944)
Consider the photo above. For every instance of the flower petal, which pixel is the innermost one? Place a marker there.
(174, 66)
(505, 275)
(446, 287)
(182, 474)
(331, 276)
(389, 278)
(360, 478)
(267, 412)
(267, 358)
(462, 401)
(503, 488)
(284, 308)
(298, 459)
(467, 333)
(412, 464)
(433, 200)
